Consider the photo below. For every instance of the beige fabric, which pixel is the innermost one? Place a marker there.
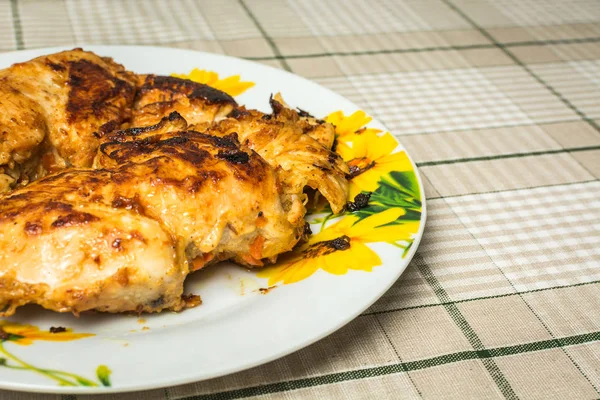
(499, 104)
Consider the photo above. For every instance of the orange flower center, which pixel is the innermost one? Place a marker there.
(359, 165)
(320, 249)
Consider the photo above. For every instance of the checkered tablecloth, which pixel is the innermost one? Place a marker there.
(498, 102)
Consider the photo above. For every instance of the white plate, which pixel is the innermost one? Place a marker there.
(237, 326)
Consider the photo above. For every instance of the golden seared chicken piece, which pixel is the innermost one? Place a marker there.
(295, 143)
(298, 147)
(158, 96)
(54, 109)
(163, 202)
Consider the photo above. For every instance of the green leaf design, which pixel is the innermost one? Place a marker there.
(10, 337)
(103, 374)
(397, 189)
(406, 181)
(407, 248)
(85, 382)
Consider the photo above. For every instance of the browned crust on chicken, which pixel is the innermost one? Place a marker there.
(55, 108)
(156, 88)
(161, 95)
(294, 145)
(97, 93)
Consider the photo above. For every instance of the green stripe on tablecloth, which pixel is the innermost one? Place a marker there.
(467, 330)
(562, 348)
(264, 33)
(511, 155)
(496, 296)
(427, 49)
(16, 20)
(514, 190)
(393, 346)
(483, 354)
(486, 127)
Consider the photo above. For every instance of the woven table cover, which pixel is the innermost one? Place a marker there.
(498, 102)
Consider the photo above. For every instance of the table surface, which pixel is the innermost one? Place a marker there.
(499, 104)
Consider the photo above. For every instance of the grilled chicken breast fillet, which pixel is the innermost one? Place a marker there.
(54, 110)
(296, 144)
(123, 237)
(162, 199)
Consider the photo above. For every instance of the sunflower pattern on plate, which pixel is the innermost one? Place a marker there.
(232, 85)
(26, 335)
(393, 213)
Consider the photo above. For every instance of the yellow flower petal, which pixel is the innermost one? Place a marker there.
(291, 269)
(340, 228)
(275, 274)
(300, 273)
(395, 162)
(302, 265)
(233, 85)
(336, 263)
(369, 180)
(363, 258)
(391, 233)
(335, 117)
(378, 146)
(345, 151)
(32, 333)
(359, 258)
(345, 125)
(369, 144)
